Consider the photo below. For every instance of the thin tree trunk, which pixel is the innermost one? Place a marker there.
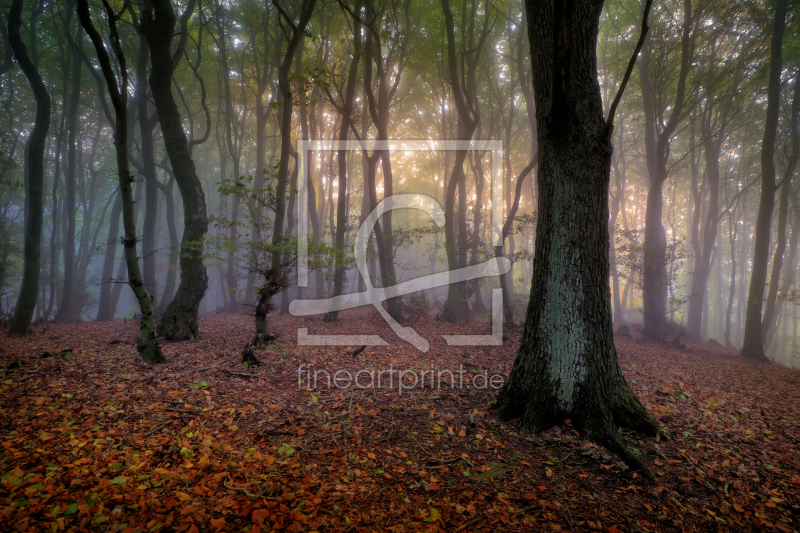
(655, 281)
(146, 344)
(767, 324)
(344, 132)
(753, 346)
(34, 177)
(64, 313)
(146, 129)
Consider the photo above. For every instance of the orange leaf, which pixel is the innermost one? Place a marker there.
(530, 496)
(738, 507)
(218, 522)
(188, 509)
(541, 487)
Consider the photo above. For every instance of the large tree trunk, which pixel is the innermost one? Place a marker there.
(752, 346)
(180, 317)
(34, 178)
(567, 364)
(146, 344)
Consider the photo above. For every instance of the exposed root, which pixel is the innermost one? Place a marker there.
(612, 441)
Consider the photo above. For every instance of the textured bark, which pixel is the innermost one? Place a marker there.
(567, 363)
(179, 321)
(752, 345)
(146, 344)
(34, 177)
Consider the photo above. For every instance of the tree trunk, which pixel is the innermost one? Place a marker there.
(64, 313)
(752, 345)
(146, 130)
(146, 344)
(34, 178)
(655, 282)
(341, 156)
(768, 323)
(180, 317)
(567, 364)
(456, 305)
(104, 311)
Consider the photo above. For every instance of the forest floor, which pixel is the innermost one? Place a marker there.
(95, 440)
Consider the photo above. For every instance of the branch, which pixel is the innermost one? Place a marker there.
(610, 120)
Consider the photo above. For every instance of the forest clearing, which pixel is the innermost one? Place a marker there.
(94, 439)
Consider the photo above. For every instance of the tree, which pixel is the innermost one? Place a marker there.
(752, 345)
(768, 325)
(567, 362)
(341, 157)
(146, 344)
(34, 176)
(658, 136)
(271, 276)
(180, 317)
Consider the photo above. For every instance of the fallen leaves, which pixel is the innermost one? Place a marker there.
(106, 441)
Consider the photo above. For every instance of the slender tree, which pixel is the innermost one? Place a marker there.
(34, 175)
(146, 344)
(752, 345)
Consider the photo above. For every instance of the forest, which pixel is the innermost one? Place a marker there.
(311, 265)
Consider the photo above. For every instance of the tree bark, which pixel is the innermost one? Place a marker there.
(180, 317)
(34, 177)
(567, 363)
(752, 345)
